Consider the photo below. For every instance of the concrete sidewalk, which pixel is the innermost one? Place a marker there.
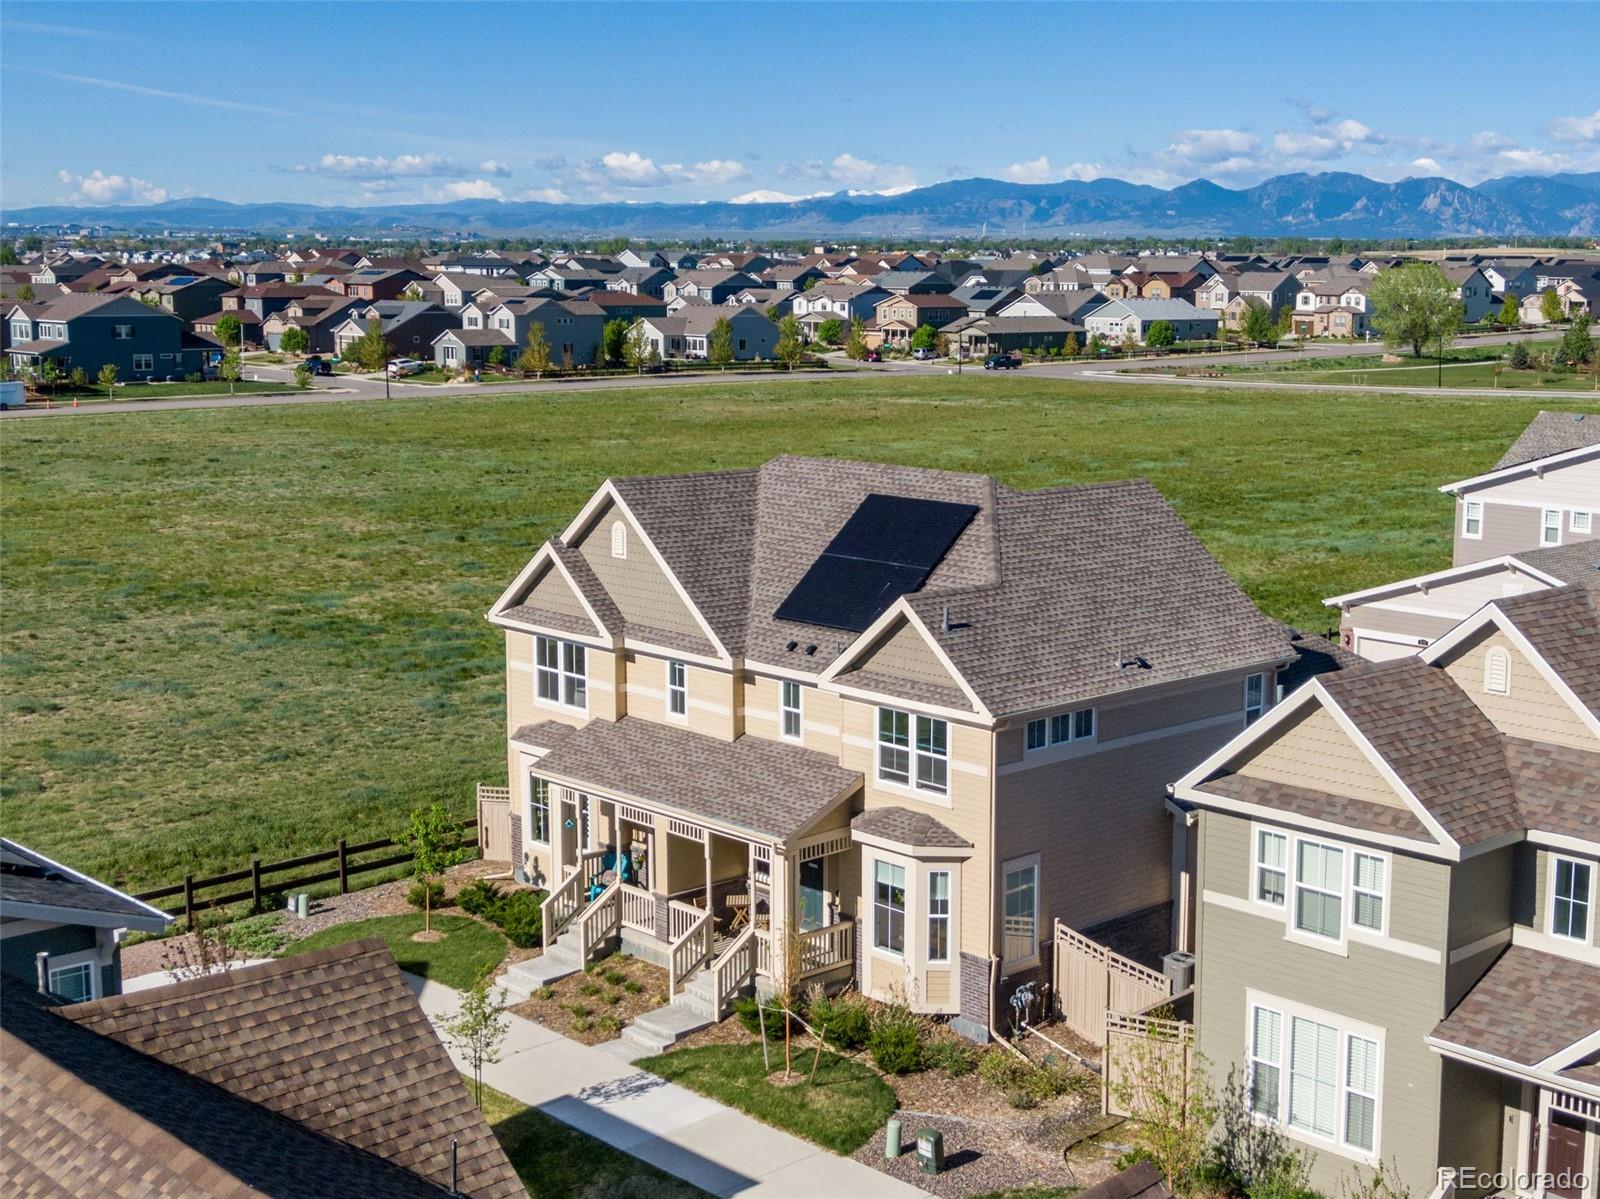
(714, 1147)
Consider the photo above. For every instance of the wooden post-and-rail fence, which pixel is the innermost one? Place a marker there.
(260, 883)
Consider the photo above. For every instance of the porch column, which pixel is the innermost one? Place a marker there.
(706, 843)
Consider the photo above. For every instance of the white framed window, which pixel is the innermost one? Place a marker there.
(1313, 1077)
(1255, 697)
(1271, 870)
(560, 670)
(938, 915)
(677, 689)
(538, 810)
(1550, 527)
(1319, 889)
(888, 906)
(1360, 1092)
(1571, 898)
(76, 981)
(1021, 910)
(144, 362)
(121, 332)
(1581, 522)
(1368, 888)
(1038, 735)
(1265, 1061)
(923, 763)
(1316, 1074)
(619, 539)
(1497, 671)
(1472, 518)
(789, 704)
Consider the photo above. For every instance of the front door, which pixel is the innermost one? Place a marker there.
(813, 897)
(1564, 1158)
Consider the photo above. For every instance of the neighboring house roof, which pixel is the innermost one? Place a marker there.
(1363, 814)
(1555, 1000)
(1318, 655)
(1552, 433)
(1564, 626)
(905, 827)
(33, 887)
(314, 1076)
(752, 784)
(1156, 310)
(478, 337)
(70, 305)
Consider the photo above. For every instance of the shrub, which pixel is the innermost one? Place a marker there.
(1519, 357)
(844, 1020)
(1027, 1084)
(750, 1015)
(609, 1024)
(613, 997)
(425, 895)
(589, 988)
(478, 897)
(518, 916)
(580, 1011)
(897, 1040)
(545, 993)
(259, 936)
(615, 977)
(632, 988)
(950, 1053)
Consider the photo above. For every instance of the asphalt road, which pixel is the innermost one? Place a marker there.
(362, 387)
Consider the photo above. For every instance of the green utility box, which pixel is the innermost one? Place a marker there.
(930, 1150)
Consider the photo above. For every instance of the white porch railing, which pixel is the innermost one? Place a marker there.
(764, 952)
(689, 951)
(731, 971)
(599, 920)
(638, 909)
(824, 948)
(681, 917)
(560, 906)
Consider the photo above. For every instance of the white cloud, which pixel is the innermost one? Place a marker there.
(1356, 132)
(1576, 129)
(1035, 170)
(861, 174)
(363, 166)
(1311, 145)
(468, 189)
(1207, 146)
(491, 166)
(97, 187)
(631, 169)
(1428, 166)
(713, 171)
(544, 195)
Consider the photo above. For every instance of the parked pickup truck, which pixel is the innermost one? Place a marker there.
(1001, 362)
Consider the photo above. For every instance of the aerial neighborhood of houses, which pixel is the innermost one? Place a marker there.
(1020, 763)
(155, 316)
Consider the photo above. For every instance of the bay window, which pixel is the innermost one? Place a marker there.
(538, 810)
(938, 915)
(560, 672)
(889, 907)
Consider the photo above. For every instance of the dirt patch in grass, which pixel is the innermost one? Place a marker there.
(595, 1005)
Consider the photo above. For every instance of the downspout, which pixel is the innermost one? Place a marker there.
(994, 958)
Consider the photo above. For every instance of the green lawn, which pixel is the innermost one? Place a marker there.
(559, 1162)
(1455, 374)
(168, 391)
(839, 1111)
(468, 949)
(253, 631)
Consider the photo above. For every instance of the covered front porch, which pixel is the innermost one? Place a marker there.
(728, 863)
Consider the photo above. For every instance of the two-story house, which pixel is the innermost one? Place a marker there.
(687, 332)
(1395, 891)
(911, 716)
(1120, 320)
(1333, 305)
(898, 317)
(409, 326)
(92, 330)
(1531, 523)
(712, 286)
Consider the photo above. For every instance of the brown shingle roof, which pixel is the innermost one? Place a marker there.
(332, 1041)
(1528, 1006)
(765, 787)
(1552, 433)
(906, 827)
(1558, 787)
(1318, 805)
(1564, 626)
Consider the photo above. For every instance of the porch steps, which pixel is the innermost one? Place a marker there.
(523, 979)
(690, 1010)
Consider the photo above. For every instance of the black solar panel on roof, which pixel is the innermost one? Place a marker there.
(888, 547)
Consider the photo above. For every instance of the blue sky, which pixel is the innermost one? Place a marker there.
(341, 102)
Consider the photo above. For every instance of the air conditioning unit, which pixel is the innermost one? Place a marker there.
(1179, 968)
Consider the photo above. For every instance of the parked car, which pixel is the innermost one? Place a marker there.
(924, 354)
(318, 366)
(874, 355)
(1001, 362)
(405, 366)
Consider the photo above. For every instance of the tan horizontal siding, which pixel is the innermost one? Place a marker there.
(1532, 709)
(1313, 751)
(637, 584)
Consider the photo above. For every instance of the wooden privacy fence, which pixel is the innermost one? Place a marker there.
(258, 880)
(494, 823)
(1143, 1053)
(1092, 981)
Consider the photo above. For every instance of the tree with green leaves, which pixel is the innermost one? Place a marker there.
(431, 838)
(830, 332)
(295, 340)
(636, 348)
(8, 256)
(49, 374)
(108, 378)
(228, 329)
(1550, 306)
(232, 368)
(372, 352)
(1172, 1108)
(535, 357)
(1257, 324)
(924, 338)
(302, 376)
(719, 345)
(25, 294)
(1520, 358)
(1160, 334)
(1415, 305)
(1511, 311)
(855, 348)
(791, 348)
(612, 340)
(477, 1030)
(79, 378)
(150, 300)
(1577, 346)
(413, 292)
(497, 355)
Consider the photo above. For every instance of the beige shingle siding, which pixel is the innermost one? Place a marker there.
(1532, 708)
(553, 592)
(1314, 751)
(904, 653)
(643, 593)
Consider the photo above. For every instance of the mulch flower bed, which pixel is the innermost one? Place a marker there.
(594, 1005)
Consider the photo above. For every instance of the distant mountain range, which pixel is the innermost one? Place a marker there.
(1325, 205)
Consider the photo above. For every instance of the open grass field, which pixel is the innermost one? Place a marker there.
(254, 631)
(1454, 375)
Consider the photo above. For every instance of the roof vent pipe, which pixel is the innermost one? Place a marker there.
(944, 624)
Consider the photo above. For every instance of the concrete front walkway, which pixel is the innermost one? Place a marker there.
(714, 1147)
